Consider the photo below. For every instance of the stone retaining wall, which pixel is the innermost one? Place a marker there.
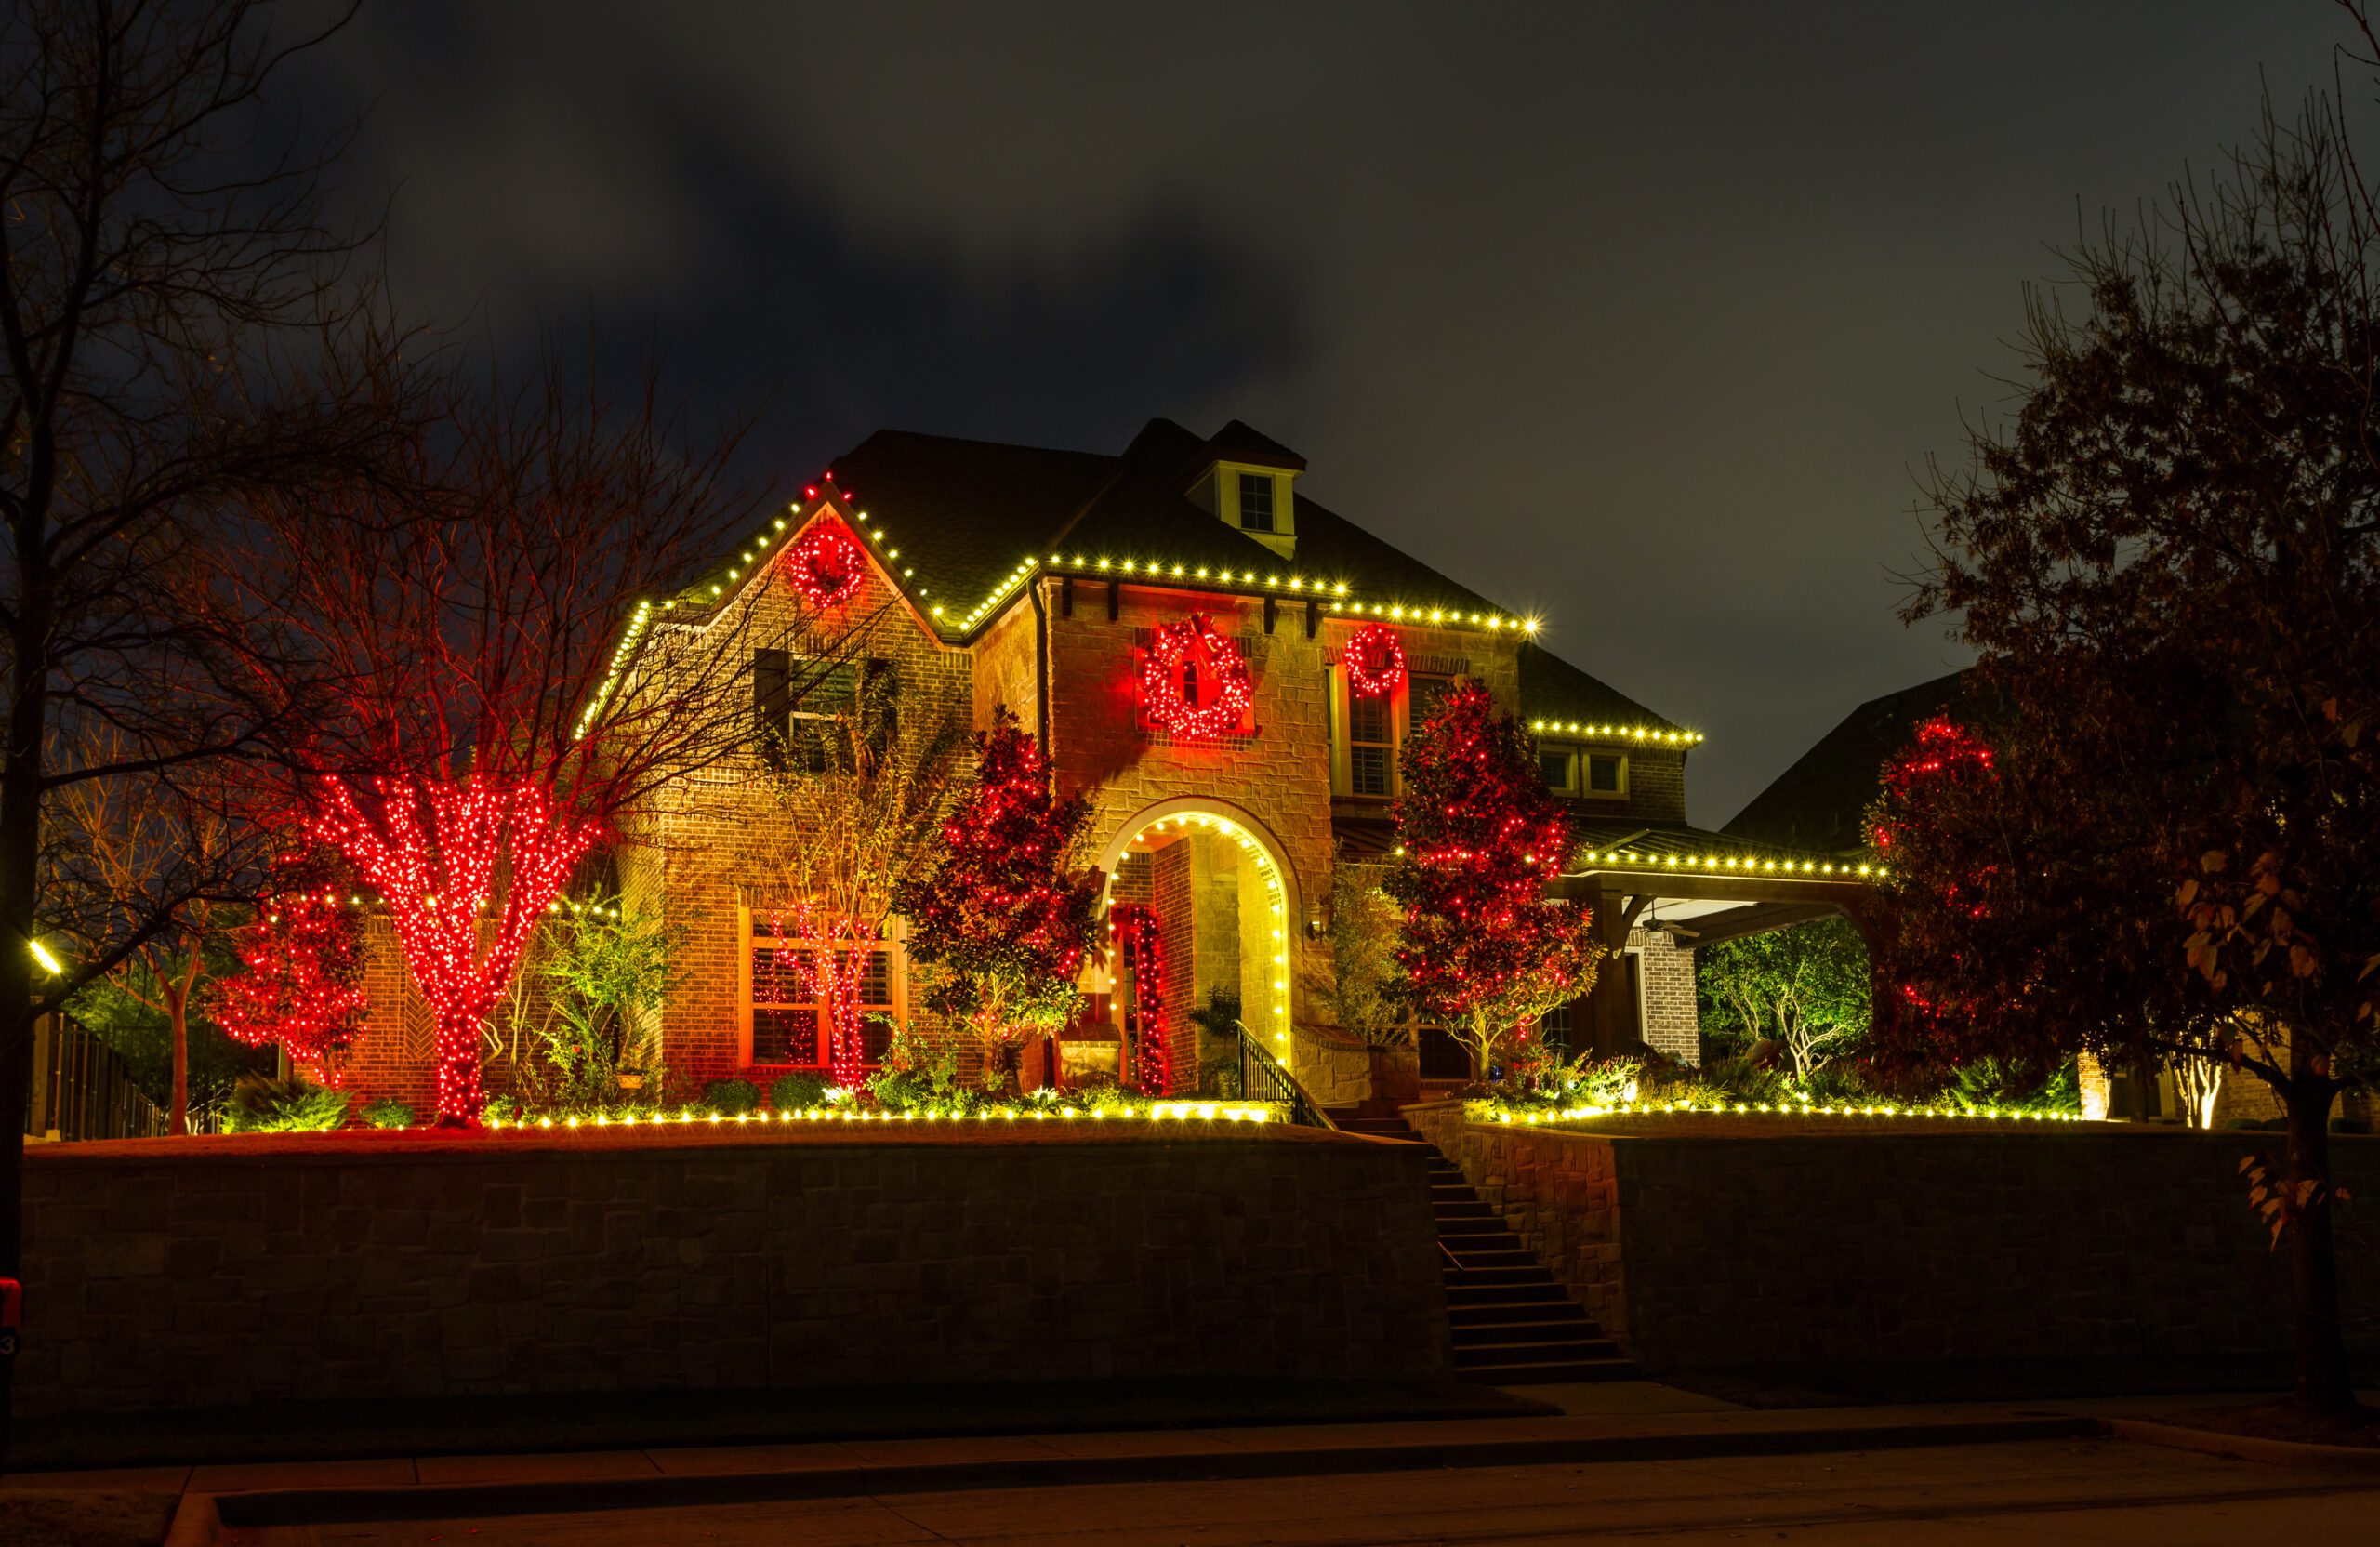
(1701, 1249)
(171, 1273)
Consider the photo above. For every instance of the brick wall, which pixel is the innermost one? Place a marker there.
(260, 1268)
(1702, 1250)
(1672, 1024)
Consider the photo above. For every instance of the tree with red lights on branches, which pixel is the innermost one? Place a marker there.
(511, 681)
(302, 979)
(1005, 916)
(2169, 566)
(1484, 951)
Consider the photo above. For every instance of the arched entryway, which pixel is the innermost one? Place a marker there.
(1226, 905)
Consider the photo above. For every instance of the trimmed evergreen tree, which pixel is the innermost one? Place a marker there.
(1004, 918)
(1483, 950)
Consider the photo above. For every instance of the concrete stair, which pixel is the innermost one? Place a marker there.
(1513, 1324)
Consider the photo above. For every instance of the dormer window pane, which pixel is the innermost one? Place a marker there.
(1255, 502)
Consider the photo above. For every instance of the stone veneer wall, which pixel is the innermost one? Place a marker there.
(1710, 1250)
(263, 1268)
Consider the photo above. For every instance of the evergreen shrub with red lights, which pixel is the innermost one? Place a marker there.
(1004, 919)
(301, 982)
(1484, 951)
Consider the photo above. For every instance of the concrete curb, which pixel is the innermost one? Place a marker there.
(196, 1524)
(2247, 1448)
(350, 1505)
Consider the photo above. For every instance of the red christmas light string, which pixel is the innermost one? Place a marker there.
(303, 982)
(832, 960)
(1187, 652)
(1375, 661)
(826, 566)
(1134, 931)
(433, 853)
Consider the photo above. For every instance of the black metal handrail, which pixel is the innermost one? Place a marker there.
(1265, 1078)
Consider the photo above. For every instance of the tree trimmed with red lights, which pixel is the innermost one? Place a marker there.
(1005, 918)
(1484, 951)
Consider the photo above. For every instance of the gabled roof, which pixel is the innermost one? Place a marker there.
(958, 525)
(1556, 697)
(1819, 803)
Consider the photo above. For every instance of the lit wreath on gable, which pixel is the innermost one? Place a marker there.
(827, 565)
(1193, 681)
(1375, 662)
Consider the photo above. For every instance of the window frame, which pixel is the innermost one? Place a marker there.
(1582, 776)
(1257, 481)
(894, 949)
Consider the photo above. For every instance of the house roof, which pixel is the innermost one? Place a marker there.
(959, 524)
(1819, 803)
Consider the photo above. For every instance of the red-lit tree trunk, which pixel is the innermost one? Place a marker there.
(834, 951)
(467, 870)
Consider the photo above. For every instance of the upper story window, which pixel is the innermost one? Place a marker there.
(1371, 746)
(796, 701)
(1569, 771)
(1255, 502)
(1377, 728)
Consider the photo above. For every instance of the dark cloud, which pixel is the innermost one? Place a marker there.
(1642, 317)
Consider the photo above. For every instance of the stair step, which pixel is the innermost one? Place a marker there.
(1548, 1374)
(1577, 1353)
(1535, 1313)
(1479, 1289)
(1475, 1258)
(1480, 1224)
(1494, 1335)
(1501, 1279)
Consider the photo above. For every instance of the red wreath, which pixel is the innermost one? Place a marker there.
(1375, 662)
(1214, 663)
(827, 565)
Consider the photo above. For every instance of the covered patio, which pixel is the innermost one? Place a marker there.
(1700, 888)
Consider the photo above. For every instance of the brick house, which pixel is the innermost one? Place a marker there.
(1039, 580)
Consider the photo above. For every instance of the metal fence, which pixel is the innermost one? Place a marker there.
(81, 1089)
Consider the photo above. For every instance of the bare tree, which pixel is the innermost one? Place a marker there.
(178, 335)
(860, 805)
(518, 663)
(136, 836)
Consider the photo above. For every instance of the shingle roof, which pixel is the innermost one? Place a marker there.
(1818, 802)
(964, 514)
(1554, 692)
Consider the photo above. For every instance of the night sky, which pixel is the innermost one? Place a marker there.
(1644, 319)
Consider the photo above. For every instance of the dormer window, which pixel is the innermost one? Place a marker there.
(1255, 502)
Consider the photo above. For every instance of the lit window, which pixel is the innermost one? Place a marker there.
(789, 1026)
(1255, 502)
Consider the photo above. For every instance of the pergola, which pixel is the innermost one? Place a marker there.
(1702, 887)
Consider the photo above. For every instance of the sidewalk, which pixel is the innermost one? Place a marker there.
(1619, 1422)
(451, 1487)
